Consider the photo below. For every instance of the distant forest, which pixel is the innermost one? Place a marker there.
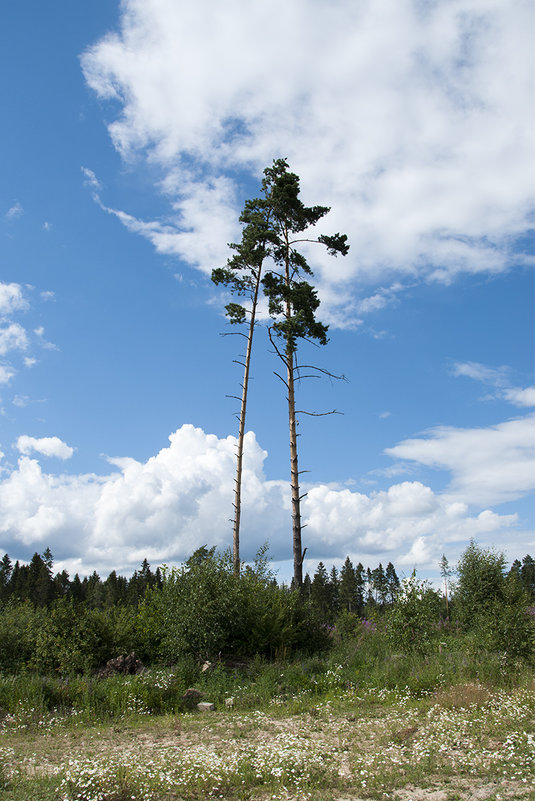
(202, 610)
(355, 589)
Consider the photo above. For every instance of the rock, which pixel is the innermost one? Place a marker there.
(205, 706)
(191, 698)
(121, 664)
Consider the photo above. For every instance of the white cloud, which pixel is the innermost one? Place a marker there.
(207, 219)
(408, 520)
(6, 373)
(11, 299)
(13, 337)
(411, 120)
(40, 333)
(15, 211)
(48, 446)
(488, 465)
(521, 397)
(164, 508)
(499, 378)
(91, 179)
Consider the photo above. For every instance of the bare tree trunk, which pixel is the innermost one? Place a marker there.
(241, 434)
(296, 500)
(294, 464)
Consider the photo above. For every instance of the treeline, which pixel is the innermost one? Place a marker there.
(36, 582)
(52, 624)
(352, 588)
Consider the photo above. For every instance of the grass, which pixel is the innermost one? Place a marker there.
(361, 723)
(324, 740)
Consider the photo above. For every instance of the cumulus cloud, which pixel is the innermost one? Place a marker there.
(6, 373)
(521, 397)
(12, 337)
(488, 465)
(411, 120)
(11, 299)
(48, 446)
(163, 508)
(168, 506)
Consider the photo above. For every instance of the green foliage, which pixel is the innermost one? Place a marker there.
(19, 623)
(508, 628)
(196, 606)
(412, 623)
(348, 625)
(492, 607)
(19, 627)
(480, 584)
(72, 639)
(204, 609)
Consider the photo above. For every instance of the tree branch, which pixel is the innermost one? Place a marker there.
(325, 372)
(317, 414)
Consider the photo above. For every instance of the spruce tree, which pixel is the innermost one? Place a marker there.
(392, 582)
(348, 587)
(6, 569)
(527, 575)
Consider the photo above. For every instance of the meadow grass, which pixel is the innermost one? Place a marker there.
(315, 729)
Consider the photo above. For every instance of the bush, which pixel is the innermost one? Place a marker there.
(493, 608)
(412, 625)
(480, 586)
(20, 624)
(203, 609)
(72, 639)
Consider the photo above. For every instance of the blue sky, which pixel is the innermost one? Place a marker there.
(134, 132)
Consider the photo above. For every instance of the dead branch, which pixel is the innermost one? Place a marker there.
(317, 414)
(322, 370)
(281, 378)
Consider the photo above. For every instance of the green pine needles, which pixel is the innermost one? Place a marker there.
(268, 261)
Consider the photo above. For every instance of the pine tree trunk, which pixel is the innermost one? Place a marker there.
(296, 501)
(294, 465)
(241, 435)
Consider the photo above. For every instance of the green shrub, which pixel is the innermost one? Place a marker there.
(72, 639)
(204, 609)
(20, 623)
(412, 625)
